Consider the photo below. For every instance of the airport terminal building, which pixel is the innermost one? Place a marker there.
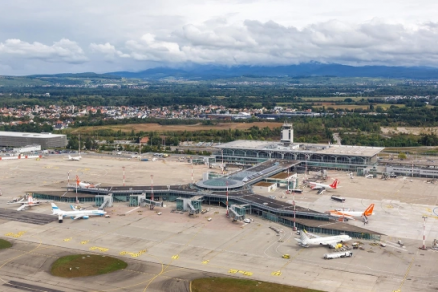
(328, 156)
(20, 139)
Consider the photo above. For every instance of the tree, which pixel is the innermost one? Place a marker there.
(402, 156)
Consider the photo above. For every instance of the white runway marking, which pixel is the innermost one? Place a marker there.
(132, 210)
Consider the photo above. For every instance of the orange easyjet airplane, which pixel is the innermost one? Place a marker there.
(84, 185)
(347, 214)
(319, 186)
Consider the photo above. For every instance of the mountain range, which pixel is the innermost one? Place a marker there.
(206, 72)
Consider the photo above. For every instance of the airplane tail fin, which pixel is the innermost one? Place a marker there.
(55, 208)
(303, 237)
(69, 157)
(335, 184)
(77, 180)
(369, 210)
(29, 199)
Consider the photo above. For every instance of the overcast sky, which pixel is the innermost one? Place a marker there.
(53, 36)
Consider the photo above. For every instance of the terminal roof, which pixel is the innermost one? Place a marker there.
(302, 148)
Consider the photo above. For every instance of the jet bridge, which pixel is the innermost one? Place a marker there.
(237, 212)
(193, 205)
(103, 201)
(141, 200)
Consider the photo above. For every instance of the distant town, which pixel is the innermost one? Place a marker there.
(62, 117)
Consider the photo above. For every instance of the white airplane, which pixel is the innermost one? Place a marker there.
(351, 215)
(319, 186)
(331, 241)
(74, 158)
(25, 204)
(85, 185)
(84, 214)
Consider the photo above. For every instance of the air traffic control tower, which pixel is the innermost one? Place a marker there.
(287, 134)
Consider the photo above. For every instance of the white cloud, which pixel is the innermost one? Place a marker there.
(257, 43)
(138, 34)
(61, 51)
(108, 50)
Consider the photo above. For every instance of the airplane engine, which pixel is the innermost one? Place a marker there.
(85, 217)
(60, 219)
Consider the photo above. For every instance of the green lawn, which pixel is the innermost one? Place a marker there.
(84, 265)
(5, 244)
(241, 285)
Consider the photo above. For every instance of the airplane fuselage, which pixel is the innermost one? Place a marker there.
(324, 240)
(82, 213)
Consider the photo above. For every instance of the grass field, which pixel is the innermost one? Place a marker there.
(241, 285)
(173, 128)
(5, 244)
(83, 265)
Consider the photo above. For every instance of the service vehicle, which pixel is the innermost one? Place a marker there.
(335, 255)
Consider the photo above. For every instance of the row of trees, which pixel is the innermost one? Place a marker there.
(401, 140)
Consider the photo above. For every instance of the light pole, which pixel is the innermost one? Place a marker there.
(123, 175)
(227, 198)
(293, 200)
(424, 233)
(152, 192)
(222, 161)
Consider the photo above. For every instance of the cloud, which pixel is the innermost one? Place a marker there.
(108, 50)
(142, 34)
(269, 43)
(64, 50)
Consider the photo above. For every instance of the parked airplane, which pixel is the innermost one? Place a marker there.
(74, 158)
(319, 186)
(331, 241)
(84, 214)
(85, 185)
(351, 215)
(25, 204)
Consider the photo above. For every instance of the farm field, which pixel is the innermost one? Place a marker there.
(166, 128)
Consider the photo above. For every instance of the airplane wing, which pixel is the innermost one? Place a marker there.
(22, 207)
(78, 217)
(332, 244)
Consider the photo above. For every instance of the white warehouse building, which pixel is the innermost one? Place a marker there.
(20, 139)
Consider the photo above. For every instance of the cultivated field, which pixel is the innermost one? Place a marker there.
(175, 128)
